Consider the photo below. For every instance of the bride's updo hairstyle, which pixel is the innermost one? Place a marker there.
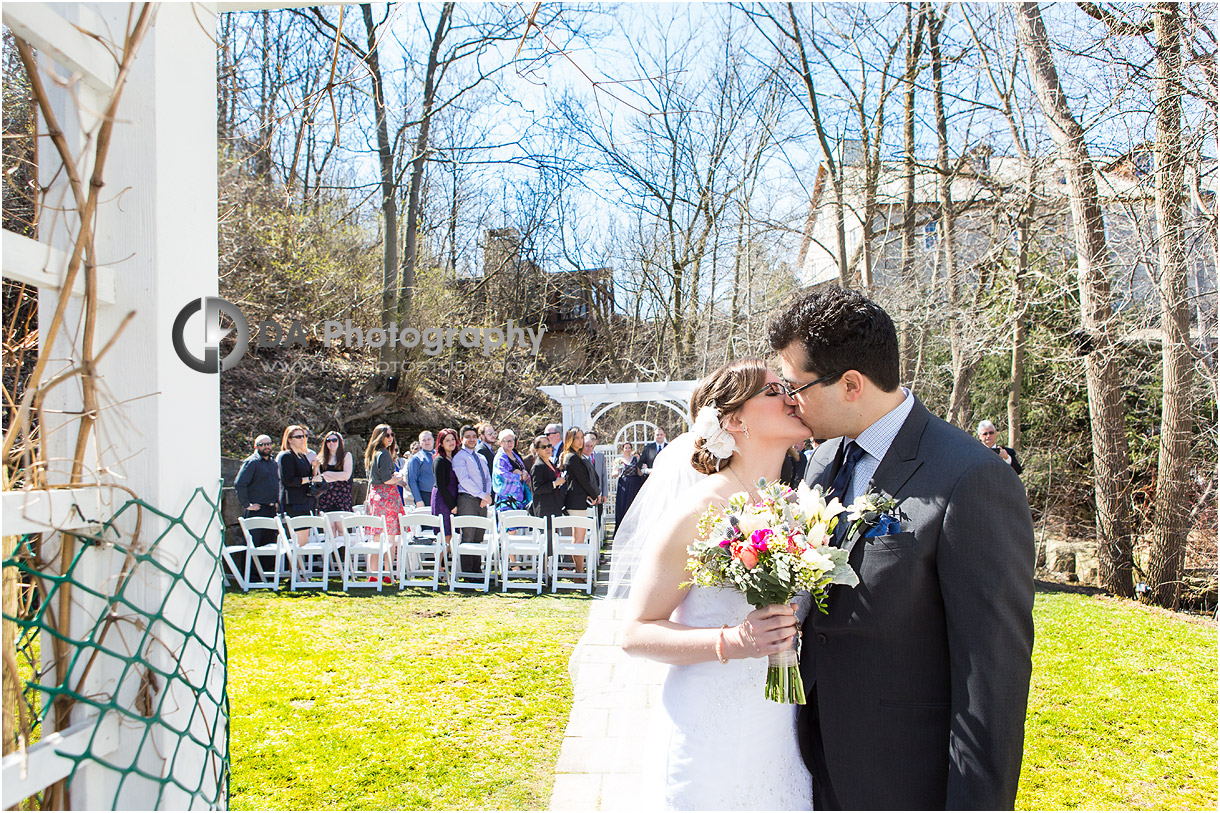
(727, 389)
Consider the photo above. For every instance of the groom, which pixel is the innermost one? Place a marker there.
(918, 677)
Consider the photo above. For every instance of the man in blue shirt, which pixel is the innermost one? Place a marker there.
(474, 489)
(420, 478)
(258, 491)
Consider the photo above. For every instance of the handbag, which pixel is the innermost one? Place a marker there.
(318, 488)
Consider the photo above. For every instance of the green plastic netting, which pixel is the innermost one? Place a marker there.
(147, 647)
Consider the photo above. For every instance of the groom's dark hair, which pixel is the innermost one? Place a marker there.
(840, 330)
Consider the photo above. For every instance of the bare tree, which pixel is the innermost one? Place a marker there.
(1107, 412)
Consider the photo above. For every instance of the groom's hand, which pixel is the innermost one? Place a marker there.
(765, 631)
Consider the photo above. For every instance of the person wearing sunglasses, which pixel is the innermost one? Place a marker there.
(384, 499)
(547, 480)
(296, 473)
(335, 467)
(990, 437)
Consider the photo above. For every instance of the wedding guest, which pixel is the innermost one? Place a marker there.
(987, 434)
(554, 433)
(509, 477)
(296, 473)
(792, 470)
(487, 447)
(384, 498)
(258, 490)
(547, 480)
(597, 467)
(420, 479)
(474, 490)
(444, 498)
(629, 481)
(582, 493)
(335, 466)
(651, 450)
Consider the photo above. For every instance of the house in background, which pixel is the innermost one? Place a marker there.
(574, 305)
(988, 192)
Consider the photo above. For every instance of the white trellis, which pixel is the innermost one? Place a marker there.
(583, 404)
(156, 231)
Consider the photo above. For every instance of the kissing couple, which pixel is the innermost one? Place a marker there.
(917, 678)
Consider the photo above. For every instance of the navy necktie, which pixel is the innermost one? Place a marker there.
(838, 488)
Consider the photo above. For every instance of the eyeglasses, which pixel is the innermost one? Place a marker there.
(295, 437)
(547, 446)
(268, 443)
(332, 440)
(992, 432)
(777, 388)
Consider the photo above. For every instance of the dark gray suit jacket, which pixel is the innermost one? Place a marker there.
(921, 672)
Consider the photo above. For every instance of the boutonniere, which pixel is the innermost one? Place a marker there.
(872, 515)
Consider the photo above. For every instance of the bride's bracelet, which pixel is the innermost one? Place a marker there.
(720, 644)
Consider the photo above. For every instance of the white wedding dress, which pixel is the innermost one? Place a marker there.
(729, 747)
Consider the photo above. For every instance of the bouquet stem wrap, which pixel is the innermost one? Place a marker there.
(784, 683)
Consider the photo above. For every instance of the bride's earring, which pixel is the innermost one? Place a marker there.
(746, 429)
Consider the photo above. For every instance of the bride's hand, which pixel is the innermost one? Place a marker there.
(764, 632)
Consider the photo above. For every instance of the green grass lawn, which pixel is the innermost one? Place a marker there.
(416, 701)
(1122, 709)
(426, 700)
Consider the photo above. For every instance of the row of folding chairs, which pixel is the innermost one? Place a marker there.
(515, 549)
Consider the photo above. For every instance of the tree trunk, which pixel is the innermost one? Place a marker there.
(389, 197)
(1171, 510)
(1107, 412)
(410, 259)
(1019, 329)
(963, 360)
(908, 277)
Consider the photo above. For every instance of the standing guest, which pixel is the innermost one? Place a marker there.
(487, 447)
(792, 470)
(987, 434)
(420, 479)
(384, 498)
(582, 493)
(412, 449)
(335, 466)
(629, 481)
(444, 499)
(597, 464)
(547, 480)
(296, 472)
(258, 491)
(509, 476)
(554, 433)
(651, 450)
(474, 490)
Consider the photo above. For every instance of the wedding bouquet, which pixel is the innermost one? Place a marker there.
(773, 549)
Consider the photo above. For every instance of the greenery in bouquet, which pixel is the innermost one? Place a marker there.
(771, 549)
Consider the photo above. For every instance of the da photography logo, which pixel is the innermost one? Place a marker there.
(213, 308)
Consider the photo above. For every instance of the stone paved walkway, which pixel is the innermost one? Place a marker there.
(601, 763)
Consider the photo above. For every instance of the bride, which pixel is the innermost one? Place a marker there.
(728, 747)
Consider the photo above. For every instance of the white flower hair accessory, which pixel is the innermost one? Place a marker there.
(716, 439)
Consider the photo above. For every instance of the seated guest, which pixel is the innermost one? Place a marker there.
(629, 481)
(547, 481)
(509, 477)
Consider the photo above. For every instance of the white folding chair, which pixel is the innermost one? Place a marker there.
(335, 538)
(303, 559)
(485, 550)
(562, 544)
(421, 550)
(364, 536)
(523, 544)
(260, 578)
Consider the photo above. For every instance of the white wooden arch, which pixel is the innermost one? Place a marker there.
(584, 404)
(637, 432)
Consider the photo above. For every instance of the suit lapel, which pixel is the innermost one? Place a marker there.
(825, 463)
(901, 460)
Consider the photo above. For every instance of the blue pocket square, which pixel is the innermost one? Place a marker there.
(886, 526)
